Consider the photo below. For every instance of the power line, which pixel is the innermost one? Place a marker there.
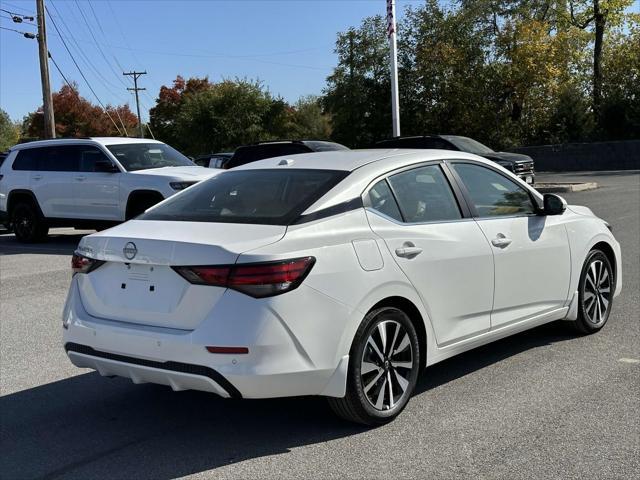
(81, 73)
(17, 17)
(25, 34)
(97, 44)
(104, 35)
(60, 71)
(106, 83)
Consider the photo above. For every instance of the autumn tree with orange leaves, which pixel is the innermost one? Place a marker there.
(77, 117)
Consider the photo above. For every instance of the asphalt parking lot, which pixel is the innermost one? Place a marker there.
(542, 404)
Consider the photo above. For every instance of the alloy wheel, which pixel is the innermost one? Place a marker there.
(386, 365)
(597, 292)
(24, 224)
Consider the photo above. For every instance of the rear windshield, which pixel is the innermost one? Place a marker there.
(415, 142)
(141, 156)
(253, 153)
(321, 146)
(268, 197)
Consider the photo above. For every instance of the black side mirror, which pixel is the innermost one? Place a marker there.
(554, 204)
(105, 166)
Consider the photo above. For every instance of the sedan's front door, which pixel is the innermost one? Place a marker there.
(531, 252)
(445, 256)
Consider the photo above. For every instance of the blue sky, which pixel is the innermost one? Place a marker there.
(286, 44)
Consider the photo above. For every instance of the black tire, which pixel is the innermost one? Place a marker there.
(28, 225)
(595, 293)
(362, 403)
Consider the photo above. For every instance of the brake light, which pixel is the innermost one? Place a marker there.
(82, 264)
(255, 279)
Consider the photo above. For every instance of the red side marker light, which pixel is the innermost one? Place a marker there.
(233, 350)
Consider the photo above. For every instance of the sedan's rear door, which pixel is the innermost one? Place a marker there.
(442, 251)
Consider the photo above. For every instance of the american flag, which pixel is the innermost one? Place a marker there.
(391, 23)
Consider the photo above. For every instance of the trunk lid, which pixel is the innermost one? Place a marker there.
(137, 283)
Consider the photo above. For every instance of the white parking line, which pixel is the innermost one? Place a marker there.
(629, 360)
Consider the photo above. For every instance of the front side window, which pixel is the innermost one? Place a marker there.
(89, 157)
(142, 156)
(424, 195)
(268, 197)
(492, 194)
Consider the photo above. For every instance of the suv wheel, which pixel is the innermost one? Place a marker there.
(28, 225)
(139, 203)
(383, 368)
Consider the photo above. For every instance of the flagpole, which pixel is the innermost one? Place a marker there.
(391, 33)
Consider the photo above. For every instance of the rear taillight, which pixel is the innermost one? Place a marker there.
(255, 279)
(82, 264)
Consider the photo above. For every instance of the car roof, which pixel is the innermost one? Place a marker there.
(364, 166)
(82, 140)
(350, 160)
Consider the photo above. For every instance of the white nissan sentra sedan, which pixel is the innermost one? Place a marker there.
(341, 274)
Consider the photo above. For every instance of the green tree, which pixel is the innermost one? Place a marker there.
(308, 120)
(597, 15)
(9, 132)
(226, 115)
(357, 95)
(620, 116)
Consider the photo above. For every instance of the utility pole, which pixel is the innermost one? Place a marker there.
(391, 33)
(135, 88)
(47, 100)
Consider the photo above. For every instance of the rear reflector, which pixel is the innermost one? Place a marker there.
(82, 264)
(238, 350)
(255, 279)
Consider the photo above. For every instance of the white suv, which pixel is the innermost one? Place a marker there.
(90, 183)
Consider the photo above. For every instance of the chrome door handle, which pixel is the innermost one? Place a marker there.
(501, 241)
(37, 177)
(80, 178)
(408, 251)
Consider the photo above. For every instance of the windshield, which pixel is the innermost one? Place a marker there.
(141, 156)
(469, 145)
(261, 196)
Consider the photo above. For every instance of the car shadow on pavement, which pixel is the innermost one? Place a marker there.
(56, 244)
(92, 427)
(481, 357)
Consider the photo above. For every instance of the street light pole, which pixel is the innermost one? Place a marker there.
(47, 100)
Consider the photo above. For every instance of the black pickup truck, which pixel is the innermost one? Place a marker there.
(521, 165)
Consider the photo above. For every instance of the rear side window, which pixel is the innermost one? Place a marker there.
(63, 158)
(26, 159)
(424, 195)
(492, 194)
(381, 200)
(269, 197)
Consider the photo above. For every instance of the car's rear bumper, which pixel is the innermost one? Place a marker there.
(277, 365)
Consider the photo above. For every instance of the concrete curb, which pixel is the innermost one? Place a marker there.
(565, 187)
